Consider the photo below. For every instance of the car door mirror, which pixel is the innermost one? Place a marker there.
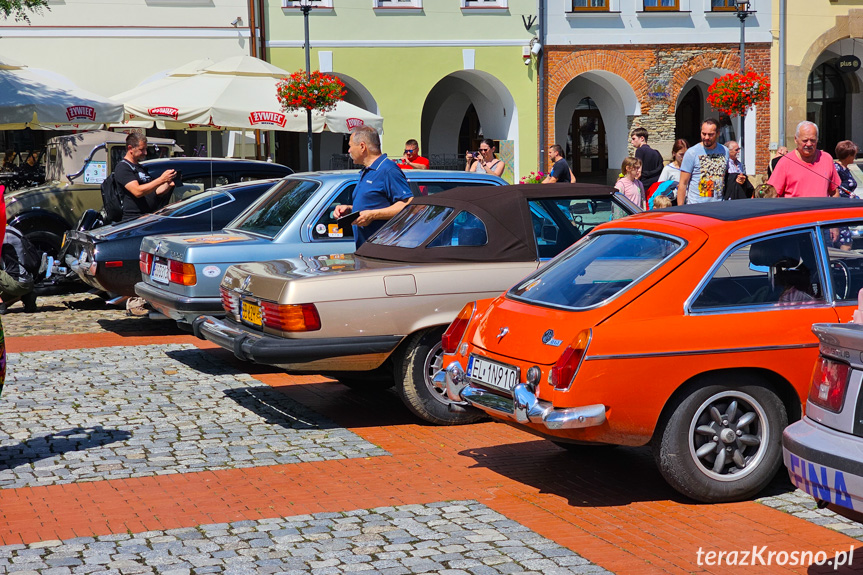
(549, 232)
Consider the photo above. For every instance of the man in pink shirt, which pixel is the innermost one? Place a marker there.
(807, 171)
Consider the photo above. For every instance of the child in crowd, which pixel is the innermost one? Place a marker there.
(661, 202)
(628, 183)
(764, 191)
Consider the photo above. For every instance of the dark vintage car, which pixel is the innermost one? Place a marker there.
(376, 316)
(106, 258)
(824, 451)
(76, 165)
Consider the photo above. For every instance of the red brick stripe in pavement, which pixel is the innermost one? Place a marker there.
(610, 507)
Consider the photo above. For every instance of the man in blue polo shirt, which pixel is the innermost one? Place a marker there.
(382, 190)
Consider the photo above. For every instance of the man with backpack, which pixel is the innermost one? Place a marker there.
(141, 193)
(22, 264)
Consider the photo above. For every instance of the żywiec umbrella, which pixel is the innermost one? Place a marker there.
(39, 99)
(238, 93)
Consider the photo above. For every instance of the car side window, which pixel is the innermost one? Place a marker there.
(253, 177)
(779, 270)
(560, 222)
(326, 228)
(465, 229)
(844, 246)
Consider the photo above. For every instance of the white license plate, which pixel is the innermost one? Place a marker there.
(492, 374)
(160, 272)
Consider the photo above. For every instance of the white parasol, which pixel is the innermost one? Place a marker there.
(238, 93)
(33, 98)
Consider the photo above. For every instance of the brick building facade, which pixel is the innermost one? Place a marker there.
(649, 83)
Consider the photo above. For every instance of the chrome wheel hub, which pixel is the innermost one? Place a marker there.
(728, 435)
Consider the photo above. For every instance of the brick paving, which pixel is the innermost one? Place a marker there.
(519, 500)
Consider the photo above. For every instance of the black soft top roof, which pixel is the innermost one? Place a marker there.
(732, 211)
(505, 212)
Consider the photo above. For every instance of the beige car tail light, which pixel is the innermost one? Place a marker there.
(302, 317)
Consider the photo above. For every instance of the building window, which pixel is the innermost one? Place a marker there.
(661, 5)
(723, 5)
(590, 5)
(398, 3)
(315, 4)
(483, 3)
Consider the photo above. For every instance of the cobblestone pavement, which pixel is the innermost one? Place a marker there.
(78, 313)
(87, 415)
(450, 537)
(801, 505)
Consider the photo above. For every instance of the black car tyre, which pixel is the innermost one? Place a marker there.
(420, 360)
(47, 242)
(722, 442)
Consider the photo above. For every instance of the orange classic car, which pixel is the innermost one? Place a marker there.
(688, 329)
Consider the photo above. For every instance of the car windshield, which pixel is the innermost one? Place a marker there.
(596, 269)
(197, 204)
(411, 227)
(269, 215)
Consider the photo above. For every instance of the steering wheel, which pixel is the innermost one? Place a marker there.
(846, 272)
(579, 223)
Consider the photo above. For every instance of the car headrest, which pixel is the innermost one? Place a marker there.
(779, 252)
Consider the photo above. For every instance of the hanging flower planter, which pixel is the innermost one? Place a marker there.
(735, 93)
(318, 92)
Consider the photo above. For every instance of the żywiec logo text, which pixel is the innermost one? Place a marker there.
(164, 111)
(81, 113)
(272, 118)
(354, 123)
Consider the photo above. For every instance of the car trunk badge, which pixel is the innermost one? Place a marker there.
(503, 332)
(548, 338)
(245, 285)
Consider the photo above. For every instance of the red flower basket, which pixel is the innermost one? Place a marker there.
(318, 92)
(735, 93)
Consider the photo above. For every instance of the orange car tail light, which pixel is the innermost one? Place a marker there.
(230, 301)
(453, 334)
(563, 372)
(145, 262)
(302, 317)
(829, 382)
(183, 274)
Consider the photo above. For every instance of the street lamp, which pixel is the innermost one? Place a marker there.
(743, 13)
(306, 7)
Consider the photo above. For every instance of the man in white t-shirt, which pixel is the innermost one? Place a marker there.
(702, 173)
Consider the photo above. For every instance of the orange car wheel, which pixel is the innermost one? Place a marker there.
(420, 360)
(723, 441)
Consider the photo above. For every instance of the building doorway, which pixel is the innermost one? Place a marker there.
(688, 116)
(586, 150)
(825, 105)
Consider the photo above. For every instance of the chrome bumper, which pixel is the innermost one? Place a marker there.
(523, 407)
